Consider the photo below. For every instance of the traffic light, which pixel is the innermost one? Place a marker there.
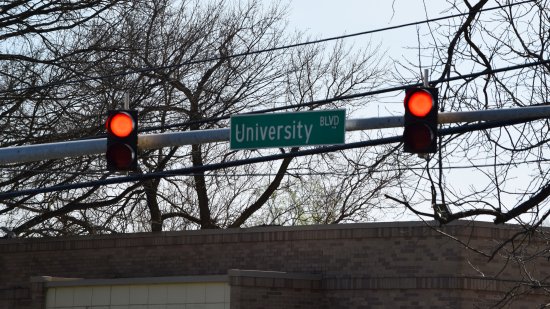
(122, 127)
(421, 108)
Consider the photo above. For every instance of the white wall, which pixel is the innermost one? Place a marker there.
(196, 295)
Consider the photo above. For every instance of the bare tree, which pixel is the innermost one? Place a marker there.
(498, 174)
(482, 42)
(176, 62)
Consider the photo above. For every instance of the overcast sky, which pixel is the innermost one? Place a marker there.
(329, 18)
(326, 18)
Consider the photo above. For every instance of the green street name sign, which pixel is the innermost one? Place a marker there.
(326, 127)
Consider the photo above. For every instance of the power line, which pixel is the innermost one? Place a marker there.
(249, 53)
(337, 98)
(344, 97)
(210, 167)
(301, 173)
(200, 169)
(353, 96)
(58, 150)
(322, 102)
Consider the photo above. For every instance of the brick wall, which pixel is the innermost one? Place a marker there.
(359, 265)
(268, 289)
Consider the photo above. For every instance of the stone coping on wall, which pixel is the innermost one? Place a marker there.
(263, 234)
(309, 281)
(77, 282)
(275, 279)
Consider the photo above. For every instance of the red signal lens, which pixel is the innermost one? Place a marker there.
(419, 103)
(121, 124)
(120, 155)
(418, 137)
(122, 138)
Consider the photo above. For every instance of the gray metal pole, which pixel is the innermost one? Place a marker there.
(152, 141)
(59, 150)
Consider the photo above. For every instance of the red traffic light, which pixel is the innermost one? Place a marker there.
(421, 111)
(121, 124)
(122, 149)
(418, 136)
(120, 156)
(419, 103)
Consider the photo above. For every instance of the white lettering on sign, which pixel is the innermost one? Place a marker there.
(277, 132)
(329, 121)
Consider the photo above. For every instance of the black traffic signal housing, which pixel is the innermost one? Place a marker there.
(122, 150)
(421, 110)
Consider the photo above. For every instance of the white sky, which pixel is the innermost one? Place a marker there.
(328, 18)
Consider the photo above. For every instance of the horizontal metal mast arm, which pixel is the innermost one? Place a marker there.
(59, 150)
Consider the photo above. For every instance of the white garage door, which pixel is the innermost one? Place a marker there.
(122, 294)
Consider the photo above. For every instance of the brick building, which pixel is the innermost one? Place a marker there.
(374, 265)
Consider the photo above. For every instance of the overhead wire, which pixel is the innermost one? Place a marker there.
(249, 53)
(326, 101)
(311, 103)
(216, 166)
(302, 173)
(322, 102)
(466, 76)
(330, 100)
